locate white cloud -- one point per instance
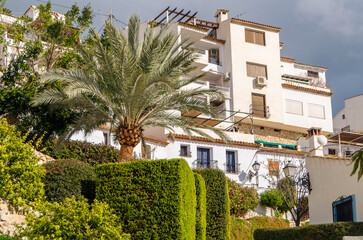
(341, 16)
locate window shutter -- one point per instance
(260, 38)
(249, 36)
(273, 168)
(316, 111)
(294, 107)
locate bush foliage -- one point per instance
(333, 231)
(20, 178)
(72, 219)
(242, 199)
(201, 212)
(67, 178)
(153, 199)
(218, 223)
(93, 154)
(243, 230)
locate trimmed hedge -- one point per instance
(67, 178)
(243, 230)
(333, 231)
(153, 199)
(201, 213)
(218, 219)
(93, 154)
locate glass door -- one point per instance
(231, 162)
(203, 160)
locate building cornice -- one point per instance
(313, 66)
(316, 91)
(214, 40)
(255, 25)
(286, 59)
(217, 141)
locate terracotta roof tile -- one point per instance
(214, 39)
(296, 77)
(193, 26)
(286, 59)
(285, 85)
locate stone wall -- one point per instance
(8, 219)
(270, 134)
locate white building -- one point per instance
(271, 101)
(350, 117)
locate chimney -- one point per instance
(316, 141)
(221, 15)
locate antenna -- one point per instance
(111, 16)
(239, 15)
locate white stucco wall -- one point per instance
(353, 114)
(330, 179)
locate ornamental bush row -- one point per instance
(218, 213)
(332, 231)
(201, 211)
(153, 199)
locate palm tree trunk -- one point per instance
(125, 154)
(128, 137)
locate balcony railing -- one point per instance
(232, 168)
(260, 111)
(199, 163)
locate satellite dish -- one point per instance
(322, 140)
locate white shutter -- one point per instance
(294, 107)
(316, 111)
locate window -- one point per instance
(273, 168)
(348, 153)
(258, 105)
(316, 111)
(105, 138)
(331, 151)
(214, 56)
(255, 37)
(344, 209)
(294, 107)
(313, 74)
(346, 128)
(146, 152)
(231, 166)
(343, 116)
(184, 151)
(255, 70)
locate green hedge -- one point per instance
(243, 230)
(93, 154)
(201, 213)
(67, 178)
(7, 238)
(333, 231)
(153, 199)
(218, 222)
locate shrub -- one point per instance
(218, 223)
(67, 178)
(201, 212)
(153, 199)
(242, 199)
(243, 230)
(272, 199)
(93, 154)
(20, 177)
(333, 231)
(72, 219)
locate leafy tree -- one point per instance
(272, 199)
(20, 176)
(132, 85)
(357, 159)
(72, 219)
(242, 199)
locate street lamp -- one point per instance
(255, 167)
(290, 171)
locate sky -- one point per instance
(326, 33)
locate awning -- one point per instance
(348, 137)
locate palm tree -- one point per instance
(132, 85)
(357, 158)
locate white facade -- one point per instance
(350, 117)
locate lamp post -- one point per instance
(290, 171)
(255, 167)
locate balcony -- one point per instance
(185, 154)
(261, 111)
(232, 168)
(200, 163)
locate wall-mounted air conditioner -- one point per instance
(261, 81)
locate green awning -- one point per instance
(275, 144)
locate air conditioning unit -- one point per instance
(261, 81)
